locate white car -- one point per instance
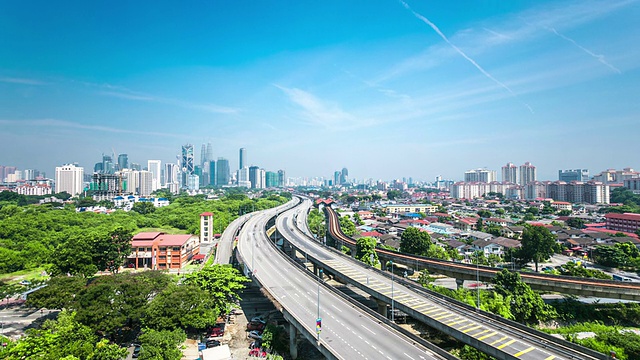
(258, 319)
(255, 334)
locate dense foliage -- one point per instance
(65, 241)
(538, 244)
(366, 250)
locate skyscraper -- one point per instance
(271, 179)
(170, 173)
(336, 178)
(243, 158)
(212, 172)
(282, 180)
(154, 167)
(510, 173)
(69, 179)
(243, 177)
(123, 162)
(107, 164)
(344, 176)
(203, 155)
(253, 176)
(480, 175)
(527, 174)
(223, 172)
(186, 163)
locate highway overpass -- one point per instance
(489, 333)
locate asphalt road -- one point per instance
(346, 331)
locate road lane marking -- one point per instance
(499, 340)
(550, 357)
(507, 344)
(336, 308)
(524, 351)
(369, 330)
(472, 328)
(487, 336)
(409, 356)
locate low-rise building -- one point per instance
(627, 222)
(160, 251)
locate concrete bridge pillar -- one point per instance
(293, 343)
(382, 308)
(460, 283)
(293, 252)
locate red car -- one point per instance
(257, 352)
(255, 326)
(217, 330)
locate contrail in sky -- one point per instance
(600, 58)
(444, 37)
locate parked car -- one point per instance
(212, 343)
(25, 282)
(258, 319)
(217, 330)
(255, 334)
(258, 352)
(136, 350)
(255, 326)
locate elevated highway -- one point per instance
(489, 333)
(347, 331)
(460, 271)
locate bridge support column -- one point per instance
(293, 344)
(293, 252)
(460, 283)
(382, 308)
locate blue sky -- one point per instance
(388, 89)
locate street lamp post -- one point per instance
(392, 302)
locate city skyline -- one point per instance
(418, 89)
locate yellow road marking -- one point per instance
(472, 328)
(499, 340)
(550, 357)
(487, 336)
(524, 351)
(507, 343)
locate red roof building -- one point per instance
(627, 222)
(160, 251)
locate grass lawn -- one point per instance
(33, 274)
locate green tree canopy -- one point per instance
(161, 344)
(415, 241)
(526, 305)
(221, 282)
(365, 247)
(538, 244)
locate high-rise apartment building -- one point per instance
(123, 162)
(253, 176)
(480, 175)
(223, 174)
(138, 182)
(242, 177)
(573, 175)
(154, 167)
(170, 173)
(510, 173)
(186, 164)
(69, 179)
(527, 174)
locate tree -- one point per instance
(161, 345)
(484, 213)
(347, 226)
(479, 225)
(365, 247)
(221, 282)
(143, 208)
(526, 305)
(111, 250)
(393, 194)
(181, 307)
(58, 294)
(274, 338)
(610, 256)
(575, 222)
(537, 244)
(415, 241)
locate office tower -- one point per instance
(243, 158)
(223, 173)
(69, 179)
(203, 155)
(344, 176)
(170, 173)
(123, 162)
(527, 174)
(186, 163)
(2, 176)
(282, 179)
(243, 177)
(98, 168)
(209, 155)
(271, 179)
(336, 178)
(212, 172)
(154, 167)
(573, 175)
(510, 173)
(135, 166)
(253, 176)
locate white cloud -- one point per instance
(56, 123)
(23, 81)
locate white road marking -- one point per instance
(369, 330)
